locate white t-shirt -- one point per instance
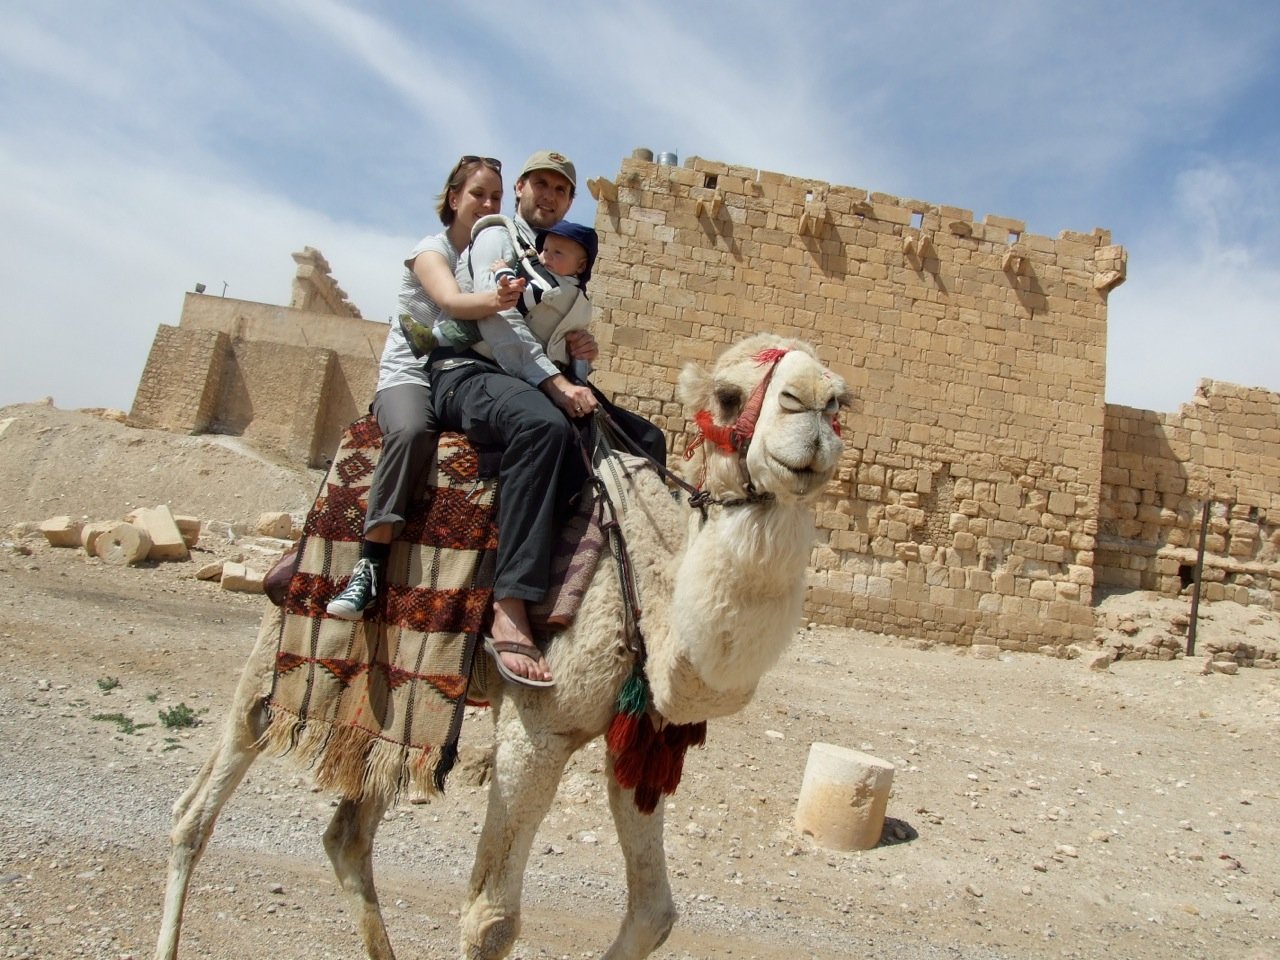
(399, 365)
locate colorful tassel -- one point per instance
(634, 697)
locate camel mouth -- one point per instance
(801, 481)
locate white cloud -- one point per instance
(105, 249)
(144, 147)
(1205, 302)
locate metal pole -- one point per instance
(1195, 583)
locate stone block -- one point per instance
(279, 525)
(210, 571)
(166, 539)
(239, 578)
(843, 797)
(62, 531)
(189, 527)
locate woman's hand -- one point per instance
(581, 345)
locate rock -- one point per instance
(189, 527)
(1229, 667)
(61, 531)
(210, 571)
(166, 539)
(278, 525)
(1102, 661)
(239, 578)
(843, 797)
(122, 545)
(984, 651)
(91, 532)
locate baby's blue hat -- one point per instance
(580, 234)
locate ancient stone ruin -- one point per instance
(988, 491)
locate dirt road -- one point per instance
(1039, 808)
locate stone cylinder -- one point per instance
(123, 544)
(843, 797)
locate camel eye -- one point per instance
(790, 402)
(729, 400)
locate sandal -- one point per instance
(497, 647)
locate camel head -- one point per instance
(767, 416)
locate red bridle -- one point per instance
(737, 436)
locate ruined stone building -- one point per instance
(988, 489)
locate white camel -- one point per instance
(722, 594)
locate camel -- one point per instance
(722, 592)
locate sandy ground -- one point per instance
(1040, 808)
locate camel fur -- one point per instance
(720, 594)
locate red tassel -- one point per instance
(628, 769)
(622, 732)
(675, 772)
(770, 355)
(657, 768)
(629, 763)
(647, 798)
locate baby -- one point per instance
(554, 301)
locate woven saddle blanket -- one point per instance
(375, 706)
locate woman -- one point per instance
(402, 402)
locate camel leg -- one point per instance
(196, 811)
(526, 774)
(650, 909)
(349, 843)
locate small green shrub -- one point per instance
(175, 718)
(107, 684)
(123, 723)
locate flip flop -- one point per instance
(496, 647)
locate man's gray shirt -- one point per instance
(514, 346)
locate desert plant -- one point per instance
(176, 718)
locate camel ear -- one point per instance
(694, 388)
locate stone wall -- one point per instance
(289, 379)
(967, 506)
(1158, 472)
(987, 489)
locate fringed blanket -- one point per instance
(375, 706)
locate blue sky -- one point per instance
(146, 145)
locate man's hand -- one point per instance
(581, 345)
(574, 400)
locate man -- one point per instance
(524, 407)
(544, 192)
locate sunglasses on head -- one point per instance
(492, 163)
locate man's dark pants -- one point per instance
(541, 470)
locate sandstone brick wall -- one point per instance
(966, 509)
(180, 382)
(289, 379)
(987, 488)
(1159, 470)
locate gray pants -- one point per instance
(409, 432)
